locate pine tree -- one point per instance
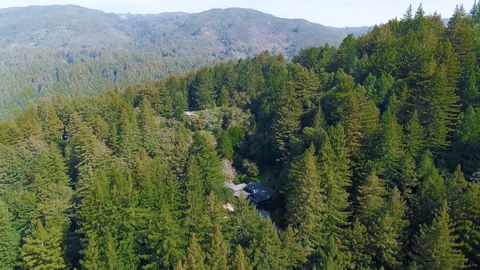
(414, 142)
(358, 245)
(85, 153)
(91, 255)
(371, 199)
(435, 246)
(388, 231)
(342, 159)
(52, 187)
(295, 252)
(9, 239)
(468, 227)
(97, 218)
(195, 258)
(51, 125)
(266, 247)
(217, 257)
(466, 149)
(461, 33)
(336, 195)
(306, 202)
(463, 200)
(128, 136)
(286, 123)
(195, 195)
(201, 90)
(165, 239)
(29, 123)
(331, 257)
(391, 149)
(226, 145)
(213, 215)
(439, 109)
(306, 84)
(430, 192)
(110, 252)
(204, 152)
(347, 54)
(250, 77)
(148, 127)
(359, 117)
(42, 250)
(239, 260)
(51, 166)
(335, 186)
(408, 180)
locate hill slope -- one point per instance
(222, 32)
(75, 51)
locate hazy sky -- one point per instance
(327, 12)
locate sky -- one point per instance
(339, 13)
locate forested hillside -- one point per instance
(78, 51)
(371, 149)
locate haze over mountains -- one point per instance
(74, 50)
(232, 32)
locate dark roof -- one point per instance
(257, 193)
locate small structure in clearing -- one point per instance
(257, 194)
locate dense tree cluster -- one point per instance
(28, 75)
(372, 150)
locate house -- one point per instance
(257, 194)
(237, 189)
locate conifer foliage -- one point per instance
(366, 156)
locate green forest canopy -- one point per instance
(372, 149)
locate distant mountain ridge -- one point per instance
(232, 32)
(72, 50)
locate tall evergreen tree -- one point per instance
(195, 258)
(306, 203)
(204, 152)
(466, 148)
(371, 199)
(85, 153)
(358, 244)
(149, 129)
(286, 123)
(436, 248)
(332, 258)
(217, 257)
(195, 195)
(414, 136)
(391, 150)
(335, 190)
(128, 136)
(295, 251)
(9, 239)
(91, 259)
(461, 33)
(42, 250)
(239, 260)
(388, 231)
(463, 199)
(52, 126)
(165, 240)
(431, 191)
(201, 90)
(439, 110)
